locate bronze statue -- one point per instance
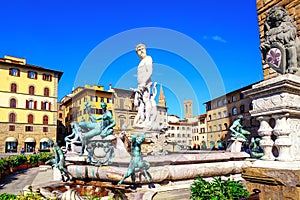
(59, 161)
(93, 128)
(137, 164)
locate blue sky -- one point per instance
(200, 49)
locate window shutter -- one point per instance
(18, 72)
(27, 104)
(49, 106)
(28, 74)
(10, 71)
(35, 104)
(36, 74)
(50, 77)
(42, 105)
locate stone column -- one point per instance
(265, 131)
(283, 141)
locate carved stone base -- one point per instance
(279, 98)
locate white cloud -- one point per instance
(218, 38)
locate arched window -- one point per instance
(242, 108)
(30, 119)
(13, 88)
(12, 118)
(45, 119)
(46, 92)
(31, 90)
(46, 106)
(226, 126)
(234, 111)
(30, 104)
(12, 103)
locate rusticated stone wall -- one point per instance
(263, 7)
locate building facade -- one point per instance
(222, 111)
(179, 131)
(28, 105)
(199, 133)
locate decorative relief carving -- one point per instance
(283, 100)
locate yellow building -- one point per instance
(28, 105)
(222, 111)
(199, 133)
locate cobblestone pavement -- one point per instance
(15, 182)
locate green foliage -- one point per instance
(217, 189)
(6, 196)
(44, 156)
(14, 161)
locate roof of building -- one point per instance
(21, 62)
(229, 93)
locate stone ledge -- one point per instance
(160, 173)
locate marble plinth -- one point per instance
(278, 99)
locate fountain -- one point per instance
(99, 160)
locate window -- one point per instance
(109, 100)
(12, 103)
(28, 128)
(60, 115)
(94, 99)
(220, 127)
(209, 117)
(241, 95)
(121, 103)
(32, 75)
(242, 108)
(47, 77)
(210, 128)
(219, 103)
(234, 111)
(226, 126)
(30, 104)
(46, 106)
(251, 106)
(31, 90)
(233, 99)
(46, 92)
(30, 119)
(13, 88)
(225, 113)
(208, 106)
(224, 102)
(45, 119)
(12, 118)
(14, 72)
(11, 128)
(45, 129)
(219, 115)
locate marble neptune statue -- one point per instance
(145, 93)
